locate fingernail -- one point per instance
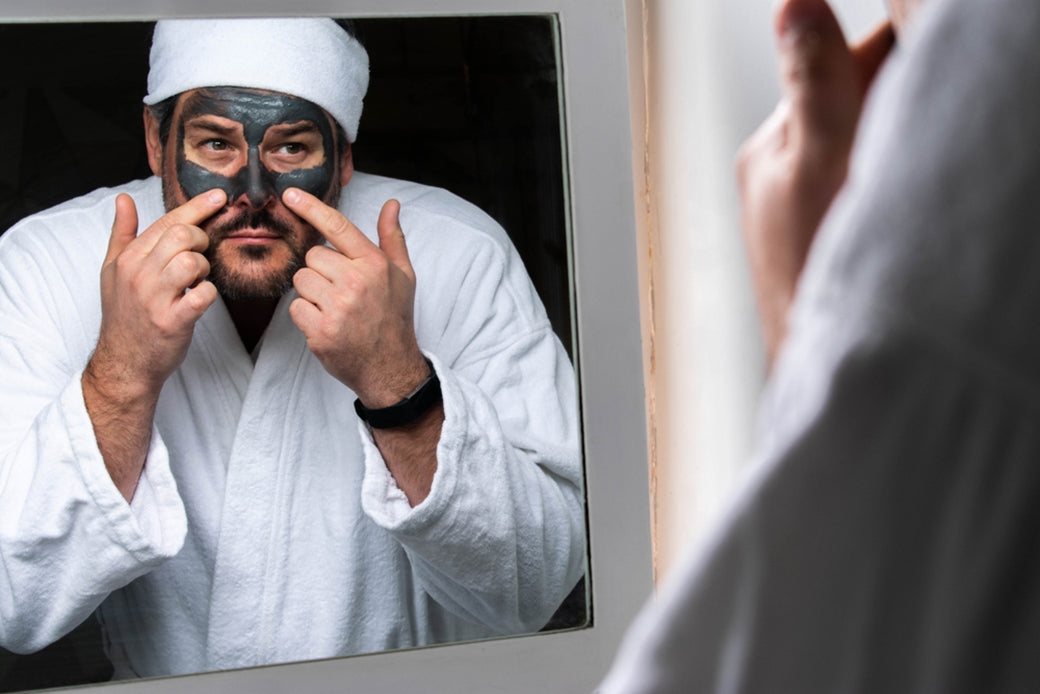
(216, 196)
(291, 196)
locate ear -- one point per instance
(346, 165)
(152, 142)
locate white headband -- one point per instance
(314, 59)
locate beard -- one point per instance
(249, 274)
(252, 273)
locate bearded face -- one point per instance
(253, 145)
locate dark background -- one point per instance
(469, 104)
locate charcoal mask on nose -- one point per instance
(257, 112)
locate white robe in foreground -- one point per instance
(889, 540)
(266, 527)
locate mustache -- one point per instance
(254, 219)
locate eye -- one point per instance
(216, 144)
(292, 148)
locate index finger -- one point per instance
(194, 212)
(337, 229)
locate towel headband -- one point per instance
(311, 58)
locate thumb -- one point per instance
(124, 227)
(818, 74)
(391, 236)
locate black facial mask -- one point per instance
(256, 112)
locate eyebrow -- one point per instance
(204, 123)
(295, 128)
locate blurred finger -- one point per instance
(817, 73)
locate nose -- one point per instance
(258, 189)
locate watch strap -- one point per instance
(407, 410)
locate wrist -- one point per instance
(117, 386)
(409, 409)
(393, 384)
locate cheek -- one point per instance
(196, 180)
(314, 180)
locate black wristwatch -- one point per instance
(406, 411)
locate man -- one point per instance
(184, 453)
(886, 541)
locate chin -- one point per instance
(255, 277)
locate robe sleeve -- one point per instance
(500, 540)
(67, 536)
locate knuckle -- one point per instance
(354, 285)
(180, 234)
(123, 264)
(341, 303)
(381, 263)
(314, 254)
(194, 301)
(166, 326)
(330, 332)
(186, 262)
(336, 223)
(302, 278)
(137, 282)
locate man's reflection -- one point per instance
(313, 412)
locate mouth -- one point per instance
(252, 236)
(252, 228)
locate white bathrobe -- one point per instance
(266, 527)
(888, 540)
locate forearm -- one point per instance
(121, 415)
(410, 453)
(500, 539)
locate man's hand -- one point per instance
(356, 303)
(355, 307)
(152, 294)
(791, 168)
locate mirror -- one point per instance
(547, 257)
(468, 104)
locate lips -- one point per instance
(253, 236)
(259, 226)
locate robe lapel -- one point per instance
(249, 551)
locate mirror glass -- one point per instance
(470, 104)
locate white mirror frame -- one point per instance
(599, 160)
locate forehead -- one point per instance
(254, 109)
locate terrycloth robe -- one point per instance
(266, 527)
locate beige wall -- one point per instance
(703, 77)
